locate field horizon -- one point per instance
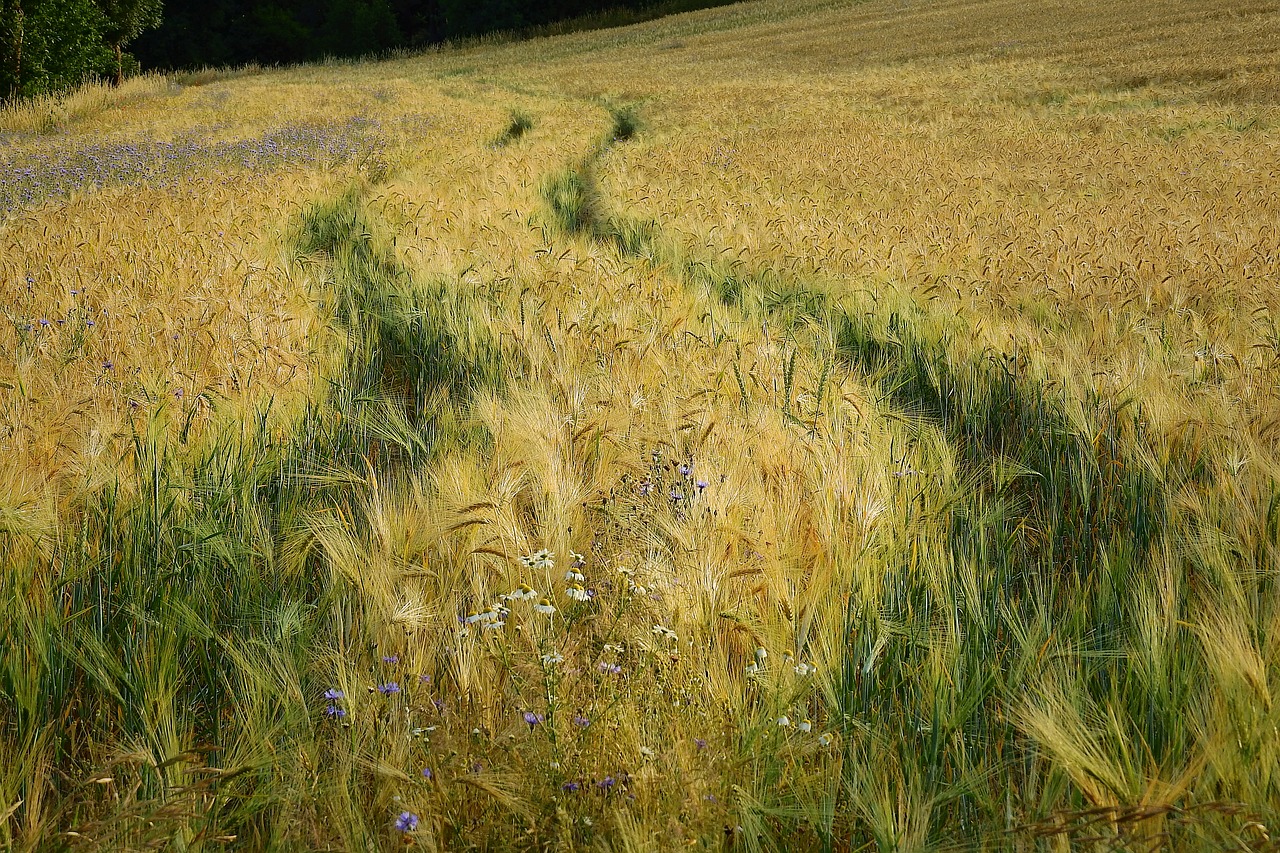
(783, 426)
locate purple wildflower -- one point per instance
(581, 721)
(334, 712)
(407, 822)
(606, 783)
(331, 694)
(533, 719)
(426, 773)
(609, 668)
(571, 787)
(700, 743)
(702, 484)
(391, 659)
(389, 688)
(685, 469)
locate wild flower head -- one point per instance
(541, 559)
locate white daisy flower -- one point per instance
(805, 669)
(805, 726)
(824, 740)
(522, 593)
(473, 618)
(542, 559)
(545, 607)
(574, 576)
(493, 626)
(577, 593)
(552, 659)
(664, 633)
(784, 721)
(751, 669)
(761, 655)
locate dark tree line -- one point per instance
(47, 45)
(198, 33)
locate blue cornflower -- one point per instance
(332, 694)
(334, 712)
(533, 719)
(407, 822)
(426, 773)
(581, 721)
(389, 688)
(571, 787)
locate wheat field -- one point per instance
(789, 426)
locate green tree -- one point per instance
(126, 20)
(357, 27)
(47, 45)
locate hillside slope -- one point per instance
(790, 425)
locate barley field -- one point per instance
(803, 425)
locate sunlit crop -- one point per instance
(788, 426)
